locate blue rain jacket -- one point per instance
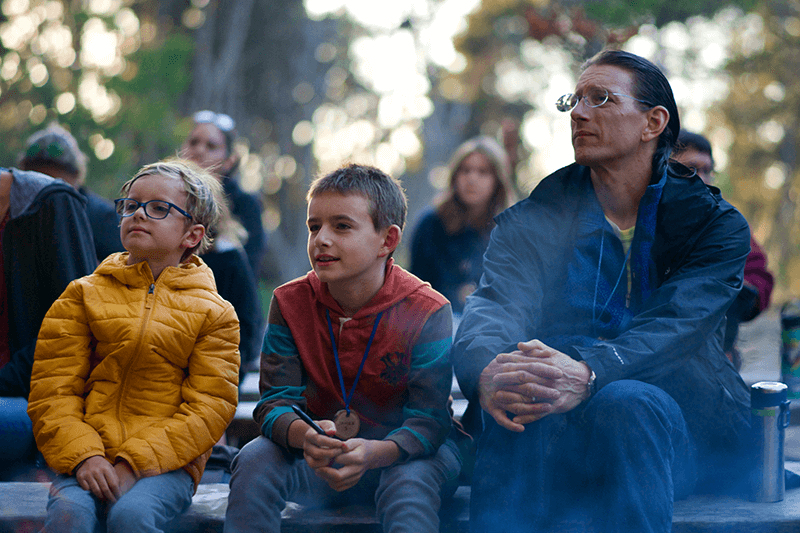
(554, 271)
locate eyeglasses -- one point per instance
(155, 209)
(220, 120)
(592, 98)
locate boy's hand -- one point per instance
(127, 478)
(359, 456)
(320, 450)
(97, 475)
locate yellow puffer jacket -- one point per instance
(133, 369)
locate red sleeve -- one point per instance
(757, 275)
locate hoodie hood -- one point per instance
(395, 288)
(28, 186)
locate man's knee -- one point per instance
(631, 401)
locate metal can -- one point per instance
(790, 347)
(769, 419)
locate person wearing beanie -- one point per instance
(54, 151)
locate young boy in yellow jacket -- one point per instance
(136, 367)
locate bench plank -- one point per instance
(23, 508)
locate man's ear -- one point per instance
(193, 236)
(391, 239)
(657, 119)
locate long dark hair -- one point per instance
(650, 85)
(451, 209)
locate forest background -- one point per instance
(317, 83)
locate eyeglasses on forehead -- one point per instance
(220, 120)
(592, 98)
(155, 209)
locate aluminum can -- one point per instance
(769, 419)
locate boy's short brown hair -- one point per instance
(387, 200)
(204, 194)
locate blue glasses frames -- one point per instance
(155, 209)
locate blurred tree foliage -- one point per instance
(124, 75)
(762, 113)
(756, 122)
(109, 71)
(511, 45)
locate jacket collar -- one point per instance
(192, 274)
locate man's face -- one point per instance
(611, 133)
(700, 161)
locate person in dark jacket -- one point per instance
(210, 145)
(694, 151)
(46, 243)
(54, 151)
(236, 257)
(594, 341)
(235, 282)
(448, 242)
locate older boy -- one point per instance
(136, 368)
(363, 347)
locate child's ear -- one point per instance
(391, 240)
(193, 236)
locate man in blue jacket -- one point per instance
(594, 342)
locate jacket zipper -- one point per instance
(148, 307)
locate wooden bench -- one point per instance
(22, 510)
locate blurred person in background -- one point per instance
(236, 283)
(210, 145)
(448, 242)
(46, 243)
(694, 151)
(54, 151)
(236, 255)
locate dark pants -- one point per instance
(615, 464)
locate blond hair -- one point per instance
(204, 193)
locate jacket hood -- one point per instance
(192, 274)
(394, 289)
(28, 186)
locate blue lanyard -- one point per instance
(345, 396)
(597, 282)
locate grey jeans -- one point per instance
(407, 496)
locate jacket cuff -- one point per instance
(410, 446)
(280, 429)
(595, 365)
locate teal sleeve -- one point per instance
(281, 381)
(426, 417)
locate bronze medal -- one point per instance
(347, 425)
